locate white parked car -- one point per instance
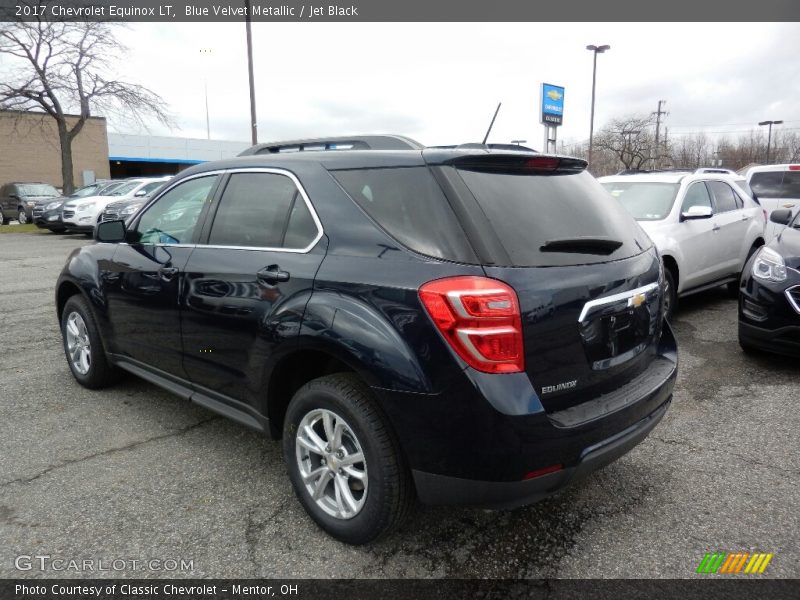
(704, 225)
(776, 187)
(81, 214)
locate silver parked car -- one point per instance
(704, 225)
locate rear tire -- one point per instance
(365, 499)
(83, 347)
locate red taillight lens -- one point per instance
(545, 471)
(794, 167)
(544, 163)
(480, 319)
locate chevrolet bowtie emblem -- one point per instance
(637, 300)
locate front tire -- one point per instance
(22, 216)
(670, 294)
(83, 346)
(344, 462)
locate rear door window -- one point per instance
(409, 205)
(262, 210)
(723, 196)
(527, 211)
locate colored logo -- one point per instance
(555, 95)
(734, 562)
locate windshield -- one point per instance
(109, 187)
(644, 200)
(125, 188)
(37, 190)
(89, 190)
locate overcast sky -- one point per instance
(440, 83)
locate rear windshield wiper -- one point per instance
(582, 245)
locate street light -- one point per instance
(206, 52)
(769, 135)
(251, 78)
(597, 50)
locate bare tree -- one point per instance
(630, 139)
(65, 66)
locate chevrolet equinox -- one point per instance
(467, 324)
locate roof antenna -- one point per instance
(486, 137)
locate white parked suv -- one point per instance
(776, 187)
(81, 214)
(704, 225)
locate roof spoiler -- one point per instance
(519, 164)
(358, 142)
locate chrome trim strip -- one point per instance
(645, 289)
(791, 299)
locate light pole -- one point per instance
(253, 122)
(596, 50)
(769, 135)
(206, 52)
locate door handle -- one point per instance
(167, 273)
(272, 274)
(745, 218)
(715, 228)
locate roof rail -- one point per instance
(356, 142)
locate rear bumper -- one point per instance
(441, 489)
(476, 445)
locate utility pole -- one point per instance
(658, 114)
(596, 50)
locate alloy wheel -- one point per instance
(79, 348)
(22, 217)
(331, 463)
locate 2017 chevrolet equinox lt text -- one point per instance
(461, 324)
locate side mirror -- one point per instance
(697, 212)
(110, 231)
(140, 194)
(781, 216)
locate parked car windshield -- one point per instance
(125, 188)
(644, 200)
(37, 190)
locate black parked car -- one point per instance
(769, 294)
(18, 199)
(461, 324)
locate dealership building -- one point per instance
(30, 151)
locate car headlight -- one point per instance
(128, 210)
(769, 266)
(52, 206)
(86, 206)
(30, 203)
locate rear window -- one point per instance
(644, 200)
(776, 184)
(409, 204)
(527, 211)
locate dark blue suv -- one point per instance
(457, 324)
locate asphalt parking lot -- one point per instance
(134, 473)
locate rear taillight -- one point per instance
(794, 167)
(480, 319)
